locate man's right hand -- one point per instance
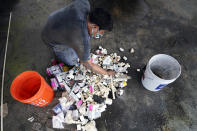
(97, 69)
(111, 73)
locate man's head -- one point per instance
(99, 21)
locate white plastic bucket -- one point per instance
(161, 70)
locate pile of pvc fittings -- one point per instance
(87, 94)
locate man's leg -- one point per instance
(66, 54)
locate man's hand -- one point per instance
(97, 69)
(111, 73)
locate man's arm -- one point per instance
(97, 69)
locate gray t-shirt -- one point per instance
(68, 26)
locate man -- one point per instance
(68, 31)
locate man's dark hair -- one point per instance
(102, 18)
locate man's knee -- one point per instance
(67, 55)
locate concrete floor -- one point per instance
(150, 27)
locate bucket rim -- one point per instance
(159, 77)
(29, 99)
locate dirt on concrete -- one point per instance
(150, 27)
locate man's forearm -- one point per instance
(95, 68)
(98, 69)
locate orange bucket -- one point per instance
(30, 87)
